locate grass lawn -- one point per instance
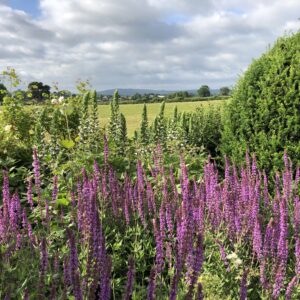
(132, 112)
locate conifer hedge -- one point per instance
(264, 114)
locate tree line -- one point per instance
(38, 92)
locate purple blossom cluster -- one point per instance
(240, 207)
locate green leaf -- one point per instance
(62, 201)
(68, 144)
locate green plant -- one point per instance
(263, 115)
(144, 131)
(115, 120)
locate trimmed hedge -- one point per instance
(264, 113)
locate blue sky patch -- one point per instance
(31, 7)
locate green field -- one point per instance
(133, 112)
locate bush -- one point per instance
(263, 115)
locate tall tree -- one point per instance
(224, 91)
(204, 91)
(38, 91)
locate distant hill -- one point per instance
(131, 92)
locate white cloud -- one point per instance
(177, 44)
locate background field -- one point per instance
(133, 112)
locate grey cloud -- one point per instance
(118, 43)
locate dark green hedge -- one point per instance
(264, 114)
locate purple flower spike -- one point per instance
(130, 279)
(151, 285)
(223, 255)
(43, 263)
(55, 189)
(199, 295)
(29, 193)
(37, 175)
(243, 288)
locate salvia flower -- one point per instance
(151, 285)
(130, 279)
(37, 175)
(223, 255)
(243, 288)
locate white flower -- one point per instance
(54, 101)
(7, 128)
(61, 99)
(232, 255)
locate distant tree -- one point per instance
(38, 91)
(224, 91)
(204, 91)
(3, 91)
(136, 96)
(65, 93)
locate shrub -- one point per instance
(263, 115)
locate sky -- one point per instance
(156, 44)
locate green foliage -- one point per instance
(16, 130)
(11, 77)
(144, 136)
(122, 135)
(263, 115)
(204, 129)
(224, 91)
(94, 121)
(204, 91)
(38, 91)
(160, 126)
(114, 124)
(3, 92)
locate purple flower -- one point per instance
(162, 222)
(199, 295)
(67, 275)
(29, 193)
(198, 258)
(297, 217)
(150, 199)
(55, 189)
(223, 255)
(243, 288)
(130, 279)
(184, 183)
(169, 219)
(159, 248)
(105, 282)
(6, 197)
(257, 239)
(151, 285)
(37, 175)
(266, 191)
(289, 290)
(43, 263)
(73, 264)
